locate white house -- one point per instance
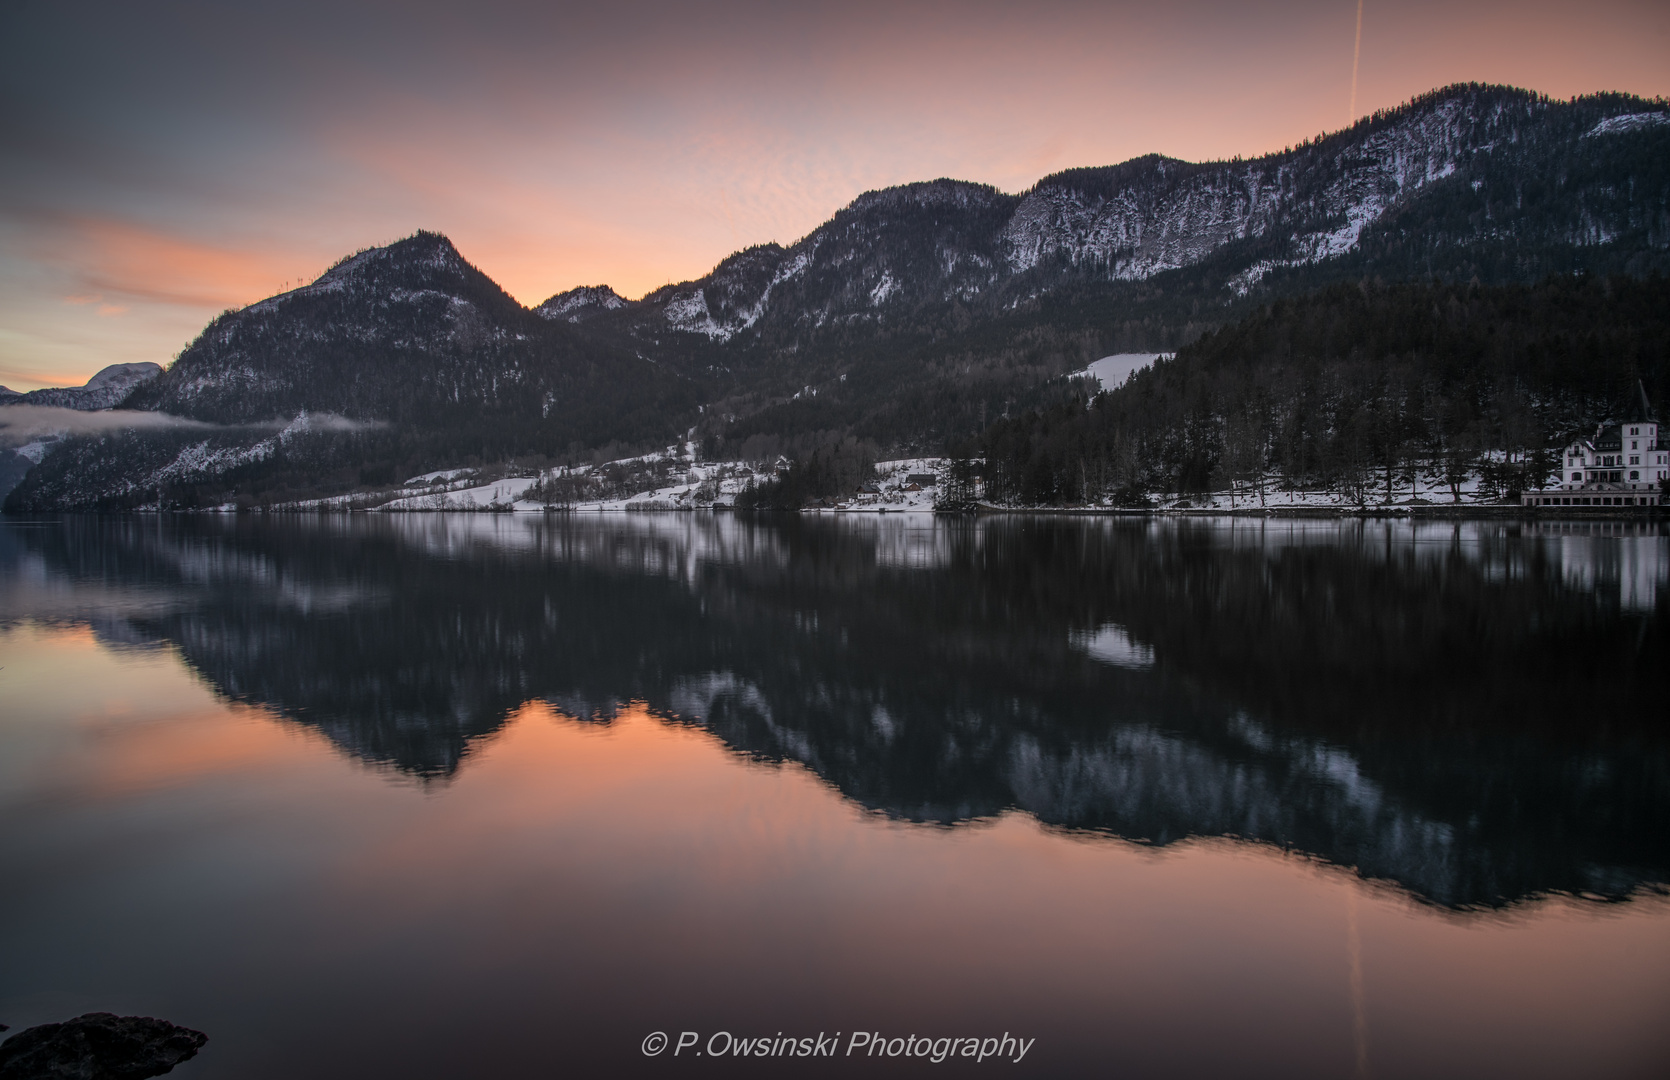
(1622, 465)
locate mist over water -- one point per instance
(519, 779)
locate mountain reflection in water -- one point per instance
(1473, 711)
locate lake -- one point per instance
(436, 795)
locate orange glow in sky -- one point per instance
(158, 167)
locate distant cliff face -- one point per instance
(1157, 214)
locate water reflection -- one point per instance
(1470, 710)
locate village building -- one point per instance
(1623, 464)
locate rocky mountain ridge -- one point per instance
(1501, 152)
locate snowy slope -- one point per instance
(1110, 372)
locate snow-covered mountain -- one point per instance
(916, 313)
(102, 391)
(396, 357)
(921, 243)
(375, 335)
(409, 334)
(1468, 167)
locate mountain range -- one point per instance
(912, 319)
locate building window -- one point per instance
(1634, 475)
(1577, 476)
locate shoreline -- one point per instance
(1503, 512)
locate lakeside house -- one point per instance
(1624, 464)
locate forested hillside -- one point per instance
(1355, 388)
(919, 313)
(397, 360)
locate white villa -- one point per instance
(1623, 465)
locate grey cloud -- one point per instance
(20, 424)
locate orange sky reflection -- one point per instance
(642, 869)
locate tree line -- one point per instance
(1355, 389)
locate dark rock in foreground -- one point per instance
(98, 1046)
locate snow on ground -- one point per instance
(441, 477)
(667, 479)
(1110, 372)
(717, 483)
(671, 479)
(1422, 491)
(36, 449)
(1617, 125)
(498, 494)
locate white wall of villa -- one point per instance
(1622, 465)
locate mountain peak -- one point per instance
(580, 303)
(927, 194)
(103, 391)
(425, 263)
(123, 375)
(422, 250)
(1103, 181)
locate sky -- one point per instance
(162, 162)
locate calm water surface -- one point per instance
(460, 796)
